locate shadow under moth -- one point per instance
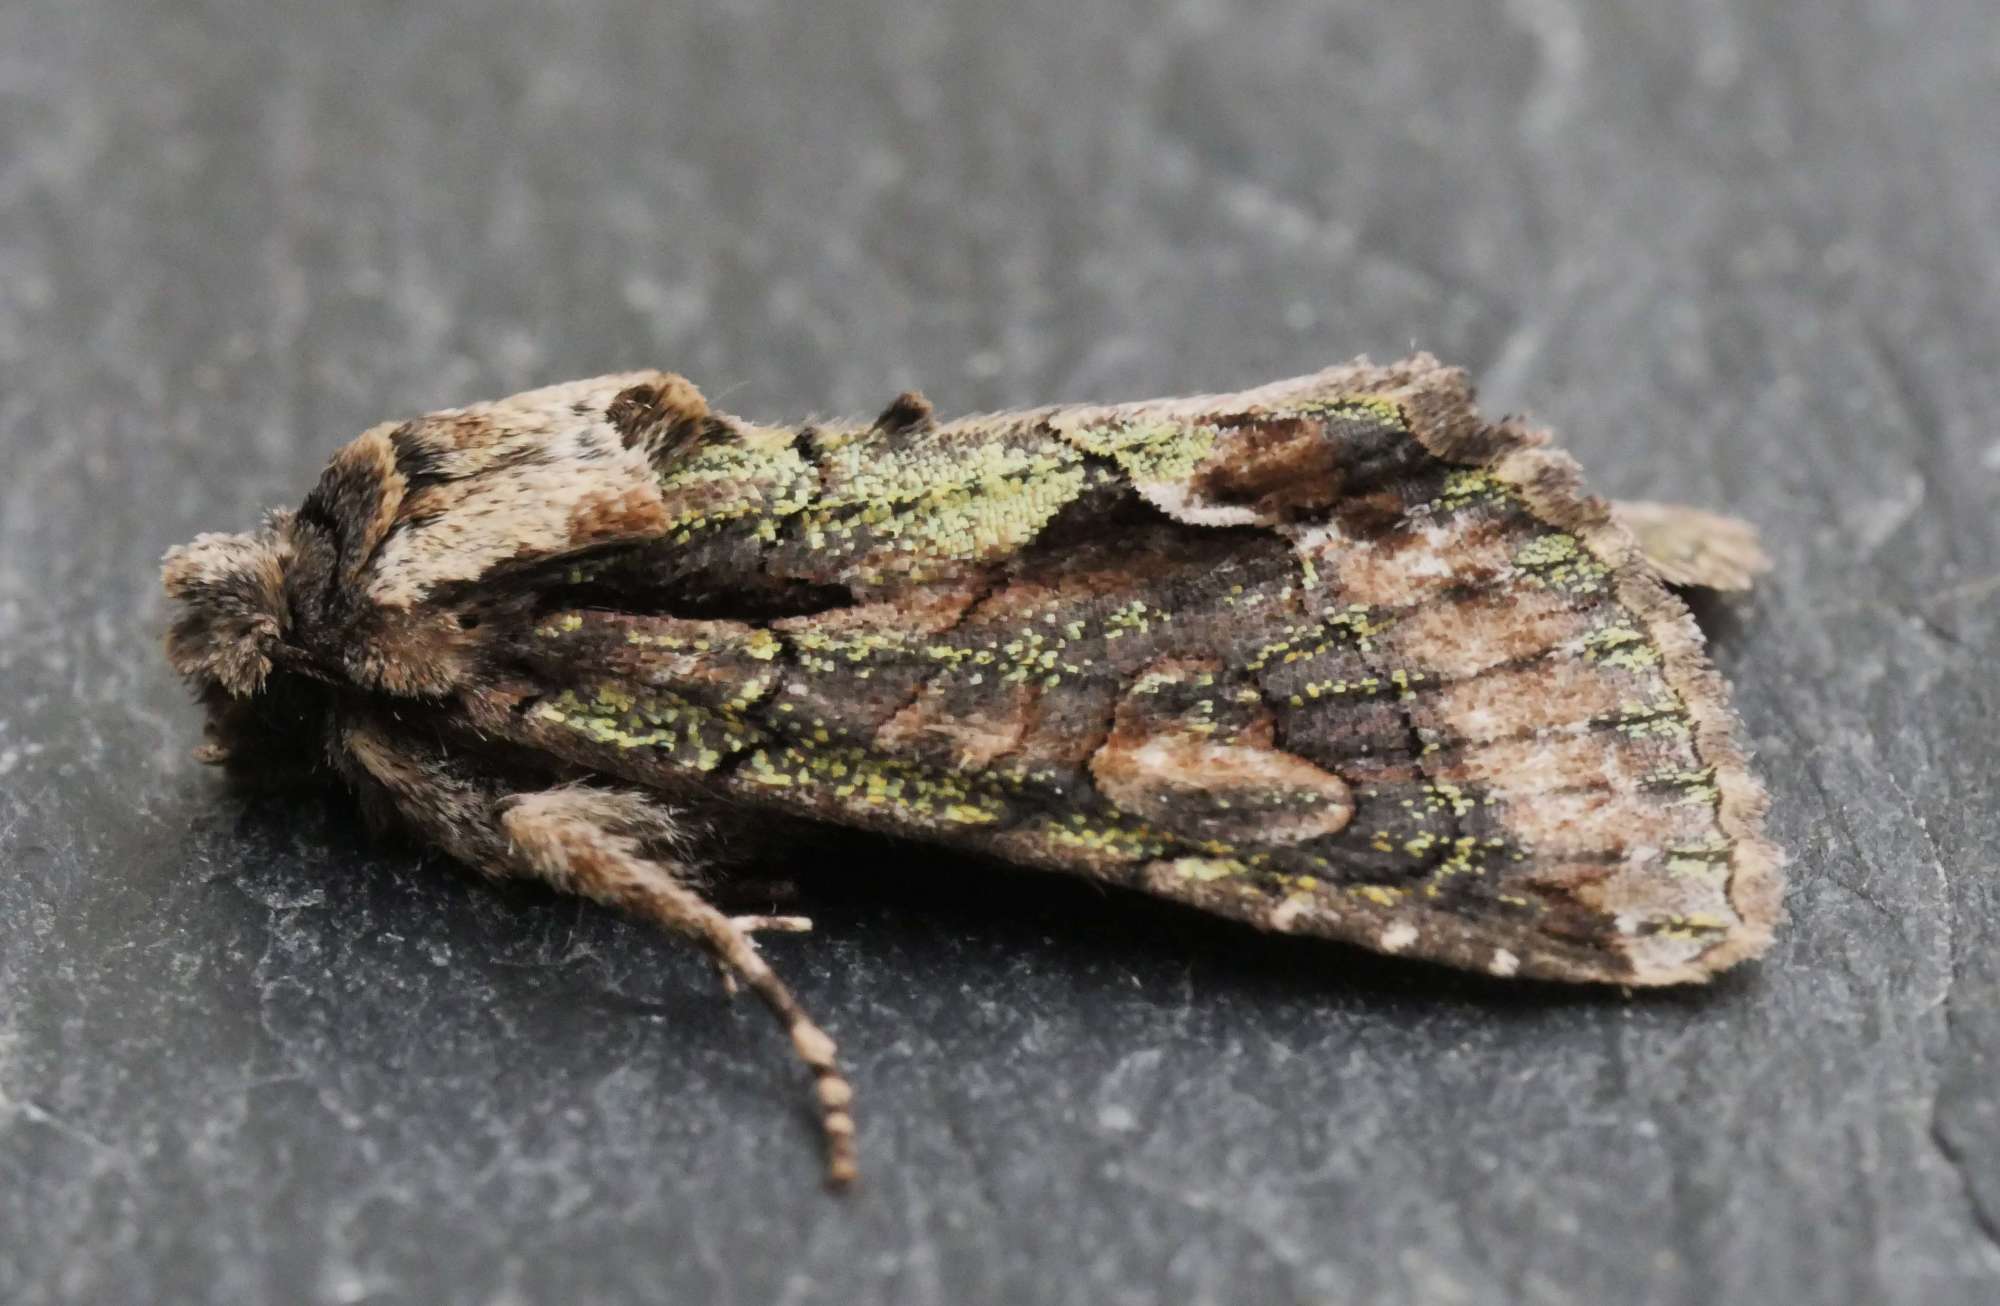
(1334, 656)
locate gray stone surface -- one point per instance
(1741, 253)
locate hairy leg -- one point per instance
(589, 841)
(622, 849)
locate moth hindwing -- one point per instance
(1333, 656)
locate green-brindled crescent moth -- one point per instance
(1333, 656)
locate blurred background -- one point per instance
(1739, 252)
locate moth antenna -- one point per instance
(590, 842)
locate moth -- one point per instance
(1334, 656)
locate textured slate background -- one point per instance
(1742, 253)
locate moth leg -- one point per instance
(1692, 547)
(768, 925)
(618, 848)
(773, 924)
(593, 843)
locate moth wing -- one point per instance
(1570, 800)
(1694, 548)
(1332, 656)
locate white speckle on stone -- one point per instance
(1117, 1119)
(348, 1286)
(1397, 937)
(1884, 516)
(1504, 963)
(985, 364)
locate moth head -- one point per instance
(232, 640)
(230, 618)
